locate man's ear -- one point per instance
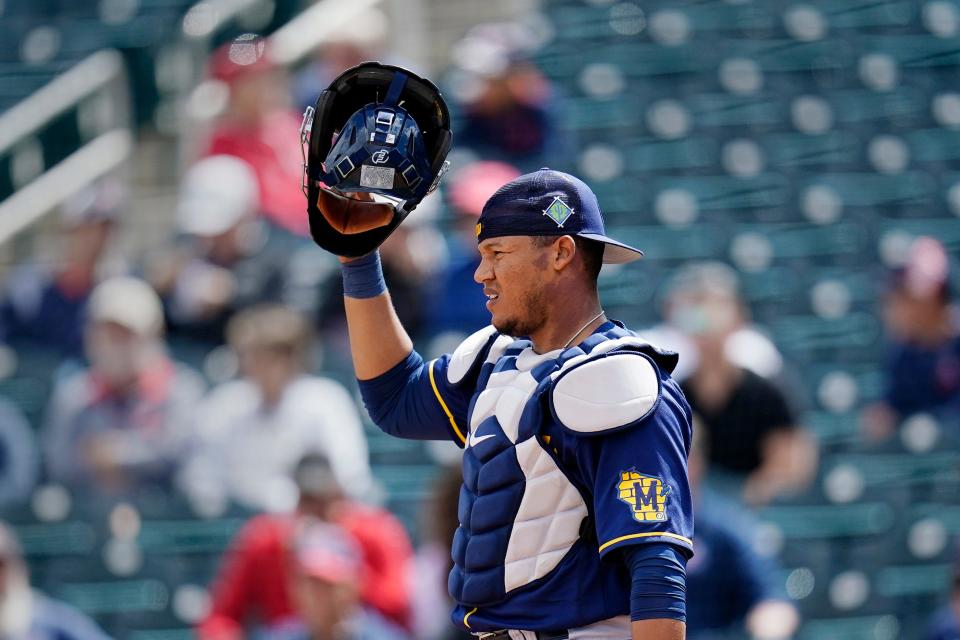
(565, 248)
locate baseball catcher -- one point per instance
(575, 511)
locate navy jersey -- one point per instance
(569, 456)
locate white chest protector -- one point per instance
(519, 512)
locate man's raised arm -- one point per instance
(404, 396)
(378, 342)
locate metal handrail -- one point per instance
(94, 160)
(293, 41)
(61, 94)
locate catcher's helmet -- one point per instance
(378, 130)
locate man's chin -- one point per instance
(507, 326)
(502, 326)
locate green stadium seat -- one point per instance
(915, 51)
(854, 106)
(651, 155)
(806, 242)
(854, 14)
(804, 522)
(934, 145)
(790, 56)
(184, 633)
(701, 241)
(726, 193)
(916, 471)
(121, 596)
(384, 449)
(945, 230)
(721, 16)
(877, 627)
(589, 114)
(792, 150)
(873, 190)
(70, 538)
(915, 583)
(712, 110)
(181, 537)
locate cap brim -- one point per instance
(615, 252)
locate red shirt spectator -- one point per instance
(259, 128)
(270, 146)
(253, 583)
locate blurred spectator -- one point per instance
(226, 261)
(44, 304)
(19, 458)
(506, 105)
(124, 421)
(325, 585)
(945, 623)
(459, 305)
(752, 433)
(252, 431)
(28, 614)
(730, 588)
(431, 600)
(341, 50)
(260, 128)
(252, 588)
(923, 361)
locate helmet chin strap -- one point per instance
(396, 87)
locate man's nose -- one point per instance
(483, 272)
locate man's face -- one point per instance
(323, 604)
(908, 317)
(87, 241)
(115, 352)
(270, 369)
(514, 273)
(707, 319)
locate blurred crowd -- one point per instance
(267, 417)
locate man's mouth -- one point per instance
(491, 298)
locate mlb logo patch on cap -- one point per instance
(558, 211)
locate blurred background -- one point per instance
(182, 448)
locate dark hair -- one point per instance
(591, 250)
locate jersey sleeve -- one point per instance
(415, 400)
(641, 493)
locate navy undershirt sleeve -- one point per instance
(658, 581)
(403, 403)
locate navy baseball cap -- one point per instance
(550, 203)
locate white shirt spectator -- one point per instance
(19, 458)
(247, 452)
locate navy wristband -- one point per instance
(363, 277)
